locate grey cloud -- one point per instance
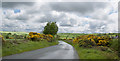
(80, 7)
(61, 19)
(18, 0)
(71, 23)
(47, 18)
(50, 18)
(16, 4)
(97, 26)
(119, 6)
(22, 18)
(67, 25)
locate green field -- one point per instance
(69, 35)
(73, 35)
(19, 33)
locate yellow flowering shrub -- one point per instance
(37, 36)
(75, 40)
(2, 38)
(31, 33)
(50, 36)
(92, 40)
(38, 33)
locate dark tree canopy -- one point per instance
(51, 28)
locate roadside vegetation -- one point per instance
(94, 46)
(18, 42)
(23, 46)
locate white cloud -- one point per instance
(35, 16)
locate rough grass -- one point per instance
(0, 51)
(89, 53)
(9, 49)
(92, 53)
(114, 44)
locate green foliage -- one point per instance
(86, 43)
(51, 28)
(47, 28)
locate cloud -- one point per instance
(15, 4)
(70, 16)
(79, 7)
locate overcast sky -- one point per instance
(71, 17)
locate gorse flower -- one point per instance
(36, 36)
(92, 40)
(2, 38)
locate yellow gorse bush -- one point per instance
(92, 40)
(75, 40)
(2, 38)
(50, 36)
(31, 33)
(37, 36)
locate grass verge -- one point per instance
(9, 49)
(92, 53)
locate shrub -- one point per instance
(86, 43)
(34, 36)
(51, 28)
(2, 38)
(92, 40)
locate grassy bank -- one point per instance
(19, 47)
(90, 53)
(93, 53)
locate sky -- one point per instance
(70, 16)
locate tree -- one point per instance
(47, 28)
(51, 28)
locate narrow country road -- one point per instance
(61, 51)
